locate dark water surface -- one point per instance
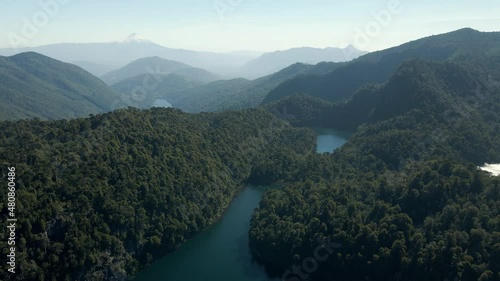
(219, 253)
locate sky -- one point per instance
(237, 25)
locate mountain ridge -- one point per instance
(156, 66)
(34, 85)
(271, 62)
(378, 66)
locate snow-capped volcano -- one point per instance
(134, 38)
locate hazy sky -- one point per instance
(229, 25)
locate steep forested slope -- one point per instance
(403, 199)
(377, 67)
(32, 85)
(241, 93)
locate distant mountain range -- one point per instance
(152, 81)
(51, 89)
(114, 55)
(273, 62)
(54, 90)
(33, 85)
(157, 66)
(332, 81)
(101, 58)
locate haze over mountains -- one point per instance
(275, 61)
(100, 58)
(117, 54)
(157, 66)
(320, 80)
(241, 93)
(153, 81)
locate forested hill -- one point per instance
(241, 93)
(156, 66)
(33, 85)
(403, 199)
(450, 89)
(100, 198)
(377, 67)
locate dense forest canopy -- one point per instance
(100, 198)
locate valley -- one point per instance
(228, 238)
(171, 165)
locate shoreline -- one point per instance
(234, 194)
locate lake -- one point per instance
(328, 139)
(221, 252)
